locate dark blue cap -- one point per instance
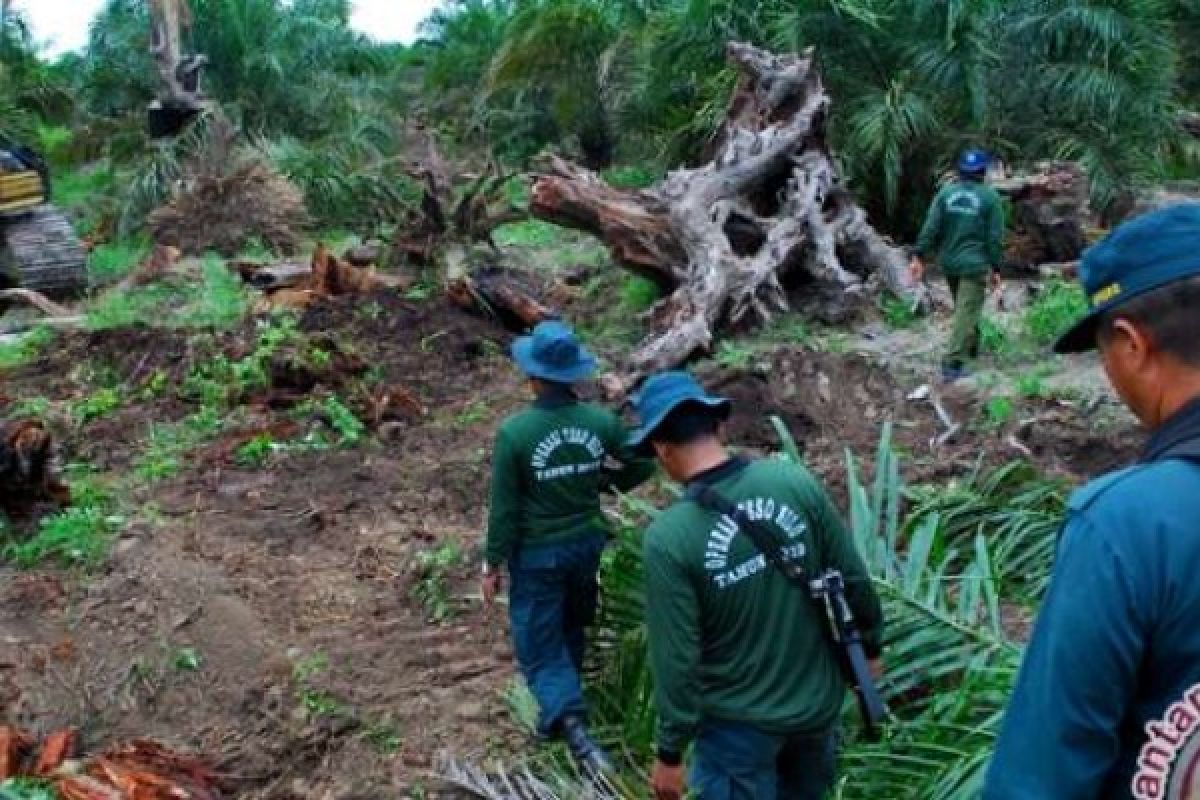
(973, 161)
(554, 353)
(1144, 254)
(663, 393)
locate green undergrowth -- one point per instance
(112, 261)
(77, 536)
(1057, 307)
(218, 300)
(26, 348)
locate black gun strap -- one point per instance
(763, 537)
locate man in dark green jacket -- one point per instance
(741, 662)
(1107, 703)
(965, 230)
(549, 466)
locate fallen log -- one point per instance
(502, 295)
(37, 300)
(298, 286)
(724, 238)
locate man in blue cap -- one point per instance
(1107, 703)
(549, 465)
(741, 660)
(965, 229)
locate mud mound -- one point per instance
(832, 403)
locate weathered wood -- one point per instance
(37, 300)
(1050, 210)
(455, 211)
(721, 238)
(503, 295)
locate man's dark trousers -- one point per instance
(735, 761)
(552, 600)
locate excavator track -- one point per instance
(40, 251)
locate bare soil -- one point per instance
(322, 673)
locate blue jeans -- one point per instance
(734, 761)
(552, 600)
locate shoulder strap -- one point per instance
(763, 537)
(1188, 450)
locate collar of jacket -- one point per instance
(1178, 437)
(556, 395)
(731, 466)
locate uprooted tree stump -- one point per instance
(1050, 212)
(456, 212)
(723, 239)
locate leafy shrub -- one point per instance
(110, 262)
(77, 536)
(638, 294)
(26, 348)
(1059, 305)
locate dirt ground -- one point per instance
(321, 673)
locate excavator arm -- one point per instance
(180, 96)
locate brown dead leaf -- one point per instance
(58, 747)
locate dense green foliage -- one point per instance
(913, 80)
(640, 82)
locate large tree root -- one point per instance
(722, 239)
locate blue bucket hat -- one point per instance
(1144, 254)
(973, 161)
(663, 393)
(554, 353)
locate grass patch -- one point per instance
(27, 348)
(633, 176)
(998, 411)
(349, 428)
(432, 587)
(256, 452)
(222, 300)
(1059, 306)
(529, 233)
(109, 263)
(76, 536)
(29, 408)
(99, 403)
(898, 313)
(219, 300)
(734, 356)
(637, 294)
(168, 443)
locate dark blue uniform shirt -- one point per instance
(1107, 703)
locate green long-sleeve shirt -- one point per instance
(964, 228)
(730, 637)
(549, 465)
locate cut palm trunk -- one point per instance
(723, 239)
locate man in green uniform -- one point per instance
(1107, 703)
(549, 466)
(741, 662)
(965, 229)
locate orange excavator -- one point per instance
(38, 247)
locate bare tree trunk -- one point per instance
(721, 238)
